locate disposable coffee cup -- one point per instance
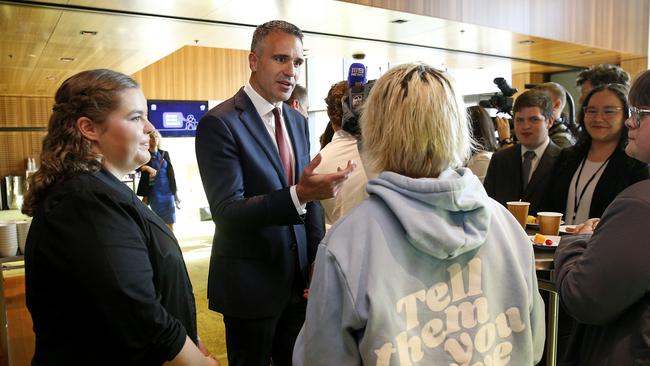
(549, 222)
(519, 210)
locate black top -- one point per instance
(106, 283)
(143, 186)
(621, 172)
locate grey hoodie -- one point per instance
(424, 272)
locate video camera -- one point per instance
(501, 101)
(357, 94)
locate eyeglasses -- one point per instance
(607, 112)
(638, 114)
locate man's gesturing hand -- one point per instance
(314, 186)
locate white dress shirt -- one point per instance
(265, 110)
(538, 155)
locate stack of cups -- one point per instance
(22, 227)
(8, 239)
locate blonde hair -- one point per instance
(414, 123)
(156, 134)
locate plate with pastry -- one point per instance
(531, 222)
(545, 242)
(567, 229)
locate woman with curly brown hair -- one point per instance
(342, 148)
(106, 283)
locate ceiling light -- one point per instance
(399, 21)
(526, 42)
(51, 78)
(587, 52)
(31, 55)
(67, 59)
(88, 33)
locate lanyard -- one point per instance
(576, 199)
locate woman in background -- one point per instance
(483, 132)
(343, 147)
(158, 183)
(588, 176)
(392, 277)
(106, 283)
(603, 279)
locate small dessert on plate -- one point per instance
(545, 241)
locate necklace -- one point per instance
(577, 199)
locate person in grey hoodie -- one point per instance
(428, 270)
(603, 274)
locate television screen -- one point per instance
(176, 118)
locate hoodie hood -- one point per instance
(442, 217)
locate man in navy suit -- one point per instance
(522, 172)
(253, 156)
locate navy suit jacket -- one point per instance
(504, 183)
(258, 232)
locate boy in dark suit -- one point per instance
(522, 171)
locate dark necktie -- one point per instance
(283, 147)
(525, 166)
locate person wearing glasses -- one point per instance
(588, 176)
(603, 274)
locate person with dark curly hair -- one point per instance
(342, 148)
(106, 282)
(598, 75)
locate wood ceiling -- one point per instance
(37, 37)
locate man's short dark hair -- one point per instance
(299, 93)
(535, 98)
(603, 74)
(274, 26)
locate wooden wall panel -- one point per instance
(193, 73)
(25, 111)
(16, 147)
(620, 25)
(188, 74)
(635, 66)
(520, 80)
